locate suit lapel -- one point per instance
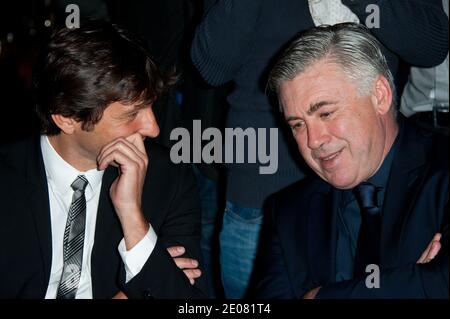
(321, 228)
(406, 175)
(37, 192)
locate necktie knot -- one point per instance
(366, 196)
(79, 184)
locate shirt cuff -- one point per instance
(135, 258)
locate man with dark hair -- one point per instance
(374, 222)
(85, 212)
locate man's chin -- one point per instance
(340, 182)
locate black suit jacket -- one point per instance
(170, 204)
(298, 246)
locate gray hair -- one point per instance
(349, 45)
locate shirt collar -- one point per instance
(61, 174)
(379, 179)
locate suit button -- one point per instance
(148, 295)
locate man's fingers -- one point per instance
(435, 247)
(192, 273)
(125, 147)
(437, 237)
(424, 255)
(116, 157)
(124, 156)
(120, 295)
(312, 293)
(186, 263)
(176, 251)
(432, 250)
(137, 140)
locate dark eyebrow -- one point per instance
(292, 118)
(316, 106)
(137, 108)
(133, 110)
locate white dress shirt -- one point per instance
(60, 176)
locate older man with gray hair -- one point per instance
(375, 224)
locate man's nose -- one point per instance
(149, 126)
(317, 135)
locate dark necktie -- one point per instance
(368, 247)
(73, 241)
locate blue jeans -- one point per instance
(238, 245)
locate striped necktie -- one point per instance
(73, 241)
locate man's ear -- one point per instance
(66, 124)
(382, 95)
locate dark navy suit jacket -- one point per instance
(298, 245)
